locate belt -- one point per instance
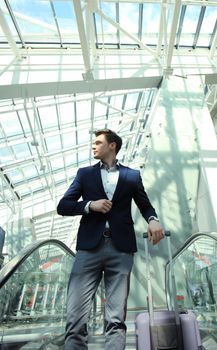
(107, 233)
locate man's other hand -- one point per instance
(155, 232)
(102, 205)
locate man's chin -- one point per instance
(96, 157)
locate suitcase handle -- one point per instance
(171, 277)
(167, 234)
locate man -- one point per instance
(106, 240)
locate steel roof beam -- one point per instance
(179, 30)
(26, 91)
(56, 22)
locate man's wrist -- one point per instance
(155, 218)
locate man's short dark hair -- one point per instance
(111, 136)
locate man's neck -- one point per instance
(109, 162)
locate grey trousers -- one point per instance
(85, 277)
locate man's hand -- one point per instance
(102, 205)
(155, 232)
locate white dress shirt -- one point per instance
(109, 178)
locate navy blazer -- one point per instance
(88, 185)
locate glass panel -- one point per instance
(6, 155)
(53, 143)
(57, 164)
(150, 23)
(99, 110)
(15, 175)
(48, 117)
(105, 28)
(131, 101)
(70, 159)
(109, 9)
(30, 171)
(190, 24)
(35, 19)
(66, 18)
(21, 151)
(83, 156)
(195, 272)
(83, 136)
(207, 27)
(11, 125)
(127, 21)
(59, 177)
(83, 110)
(66, 111)
(32, 308)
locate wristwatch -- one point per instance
(153, 218)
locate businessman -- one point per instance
(106, 240)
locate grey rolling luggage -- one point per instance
(166, 329)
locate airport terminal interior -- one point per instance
(147, 70)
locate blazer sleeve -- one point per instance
(142, 201)
(70, 205)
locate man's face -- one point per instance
(101, 148)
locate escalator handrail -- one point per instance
(190, 240)
(8, 269)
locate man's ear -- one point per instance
(113, 145)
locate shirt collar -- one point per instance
(114, 166)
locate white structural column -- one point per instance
(180, 173)
(162, 27)
(207, 193)
(8, 34)
(173, 30)
(182, 162)
(83, 37)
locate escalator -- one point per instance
(33, 295)
(33, 287)
(195, 267)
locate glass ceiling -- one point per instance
(40, 23)
(45, 137)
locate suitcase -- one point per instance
(166, 329)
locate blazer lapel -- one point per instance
(98, 179)
(121, 179)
